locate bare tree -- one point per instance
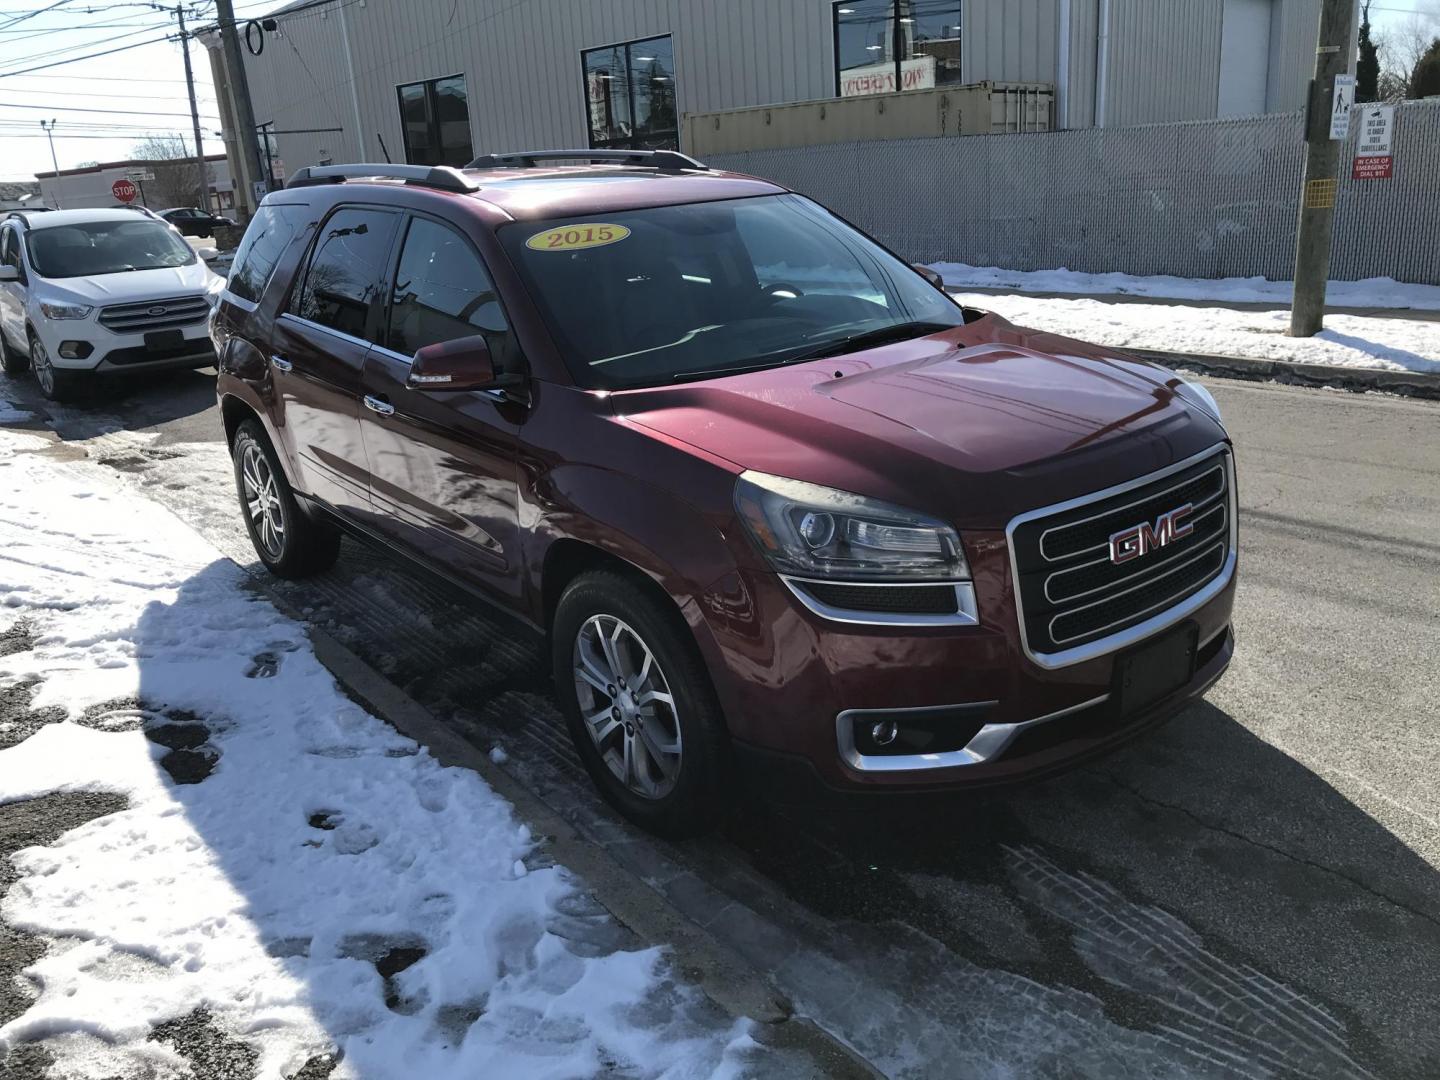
(177, 176)
(1402, 45)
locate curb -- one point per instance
(1359, 380)
(698, 956)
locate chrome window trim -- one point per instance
(1040, 544)
(987, 744)
(1130, 636)
(1195, 519)
(340, 334)
(228, 297)
(967, 612)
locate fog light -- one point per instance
(76, 350)
(884, 732)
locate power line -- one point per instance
(83, 45)
(32, 14)
(79, 108)
(90, 56)
(109, 93)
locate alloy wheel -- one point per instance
(627, 706)
(40, 361)
(262, 501)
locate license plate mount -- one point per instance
(164, 340)
(1154, 670)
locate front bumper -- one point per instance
(123, 353)
(792, 682)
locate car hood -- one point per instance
(976, 423)
(132, 285)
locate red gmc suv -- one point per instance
(766, 487)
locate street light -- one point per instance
(49, 130)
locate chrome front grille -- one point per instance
(1075, 602)
(148, 315)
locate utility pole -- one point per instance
(204, 176)
(49, 130)
(240, 87)
(1322, 171)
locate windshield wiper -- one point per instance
(835, 347)
(867, 339)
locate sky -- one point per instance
(103, 105)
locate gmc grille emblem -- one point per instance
(157, 311)
(1140, 539)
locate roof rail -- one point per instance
(440, 177)
(667, 160)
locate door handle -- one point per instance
(379, 405)
(280, 363)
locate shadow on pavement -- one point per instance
(125, 402)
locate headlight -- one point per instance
(64, 311)
(817, 531)
(1196, 394)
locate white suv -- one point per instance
(85, 292)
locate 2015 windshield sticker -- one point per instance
(576, 237)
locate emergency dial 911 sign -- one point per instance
(1373, 159)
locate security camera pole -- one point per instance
(1327, 121)
(240, 87)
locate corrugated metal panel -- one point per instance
(1164, 61)
(1083, 17)
(1215, 198)
(1293, 37)
(1009, 42)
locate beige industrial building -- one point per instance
(432, 81)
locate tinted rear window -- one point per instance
(269, 234)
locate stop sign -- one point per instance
(123, 190)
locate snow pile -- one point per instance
(1347, 340)
(1369, 293)
(326, 886)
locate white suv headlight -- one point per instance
(64, 311)
(818, 531)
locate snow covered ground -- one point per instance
(1347, 341)
(286, 862)
(1370, 293)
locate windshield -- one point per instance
(105, 247)
(649, 297)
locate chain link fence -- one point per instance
(1205, 199)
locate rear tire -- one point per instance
(14, 363)
(56, 384)
(640, 707)
(290, 542)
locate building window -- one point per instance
(630, 95)
(882, 46)
(435, 120)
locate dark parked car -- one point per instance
(769, 491)
(193, 222)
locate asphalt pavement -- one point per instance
(1250, 890)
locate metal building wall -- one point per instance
(522, 64)
(1009, 42)
(1164, 61)
(522, 61)
(1293, 35)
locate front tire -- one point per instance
(290, 542)
(55, 384)
(640, 707)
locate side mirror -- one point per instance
(929, 274)
(462, 364)
(9, 273)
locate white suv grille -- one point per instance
(150, 315)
